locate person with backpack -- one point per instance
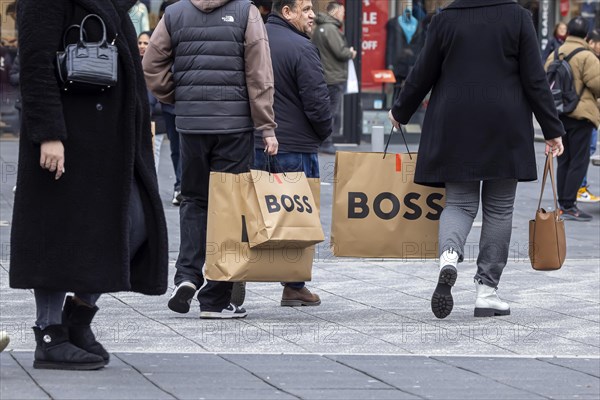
(574, 78)
(583, 194)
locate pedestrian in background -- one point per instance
(139, 17)
(164, 119)
(583, 194)
(477, 137)
(335, 54)
(558, 38)
(301, 107)
(220, 99)
(87, 214)
(579, 124)
(155, 111)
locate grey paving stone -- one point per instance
(531, 375)
(589, 366)
(15, 383)
(206, 376)
(426, 377)
(351, 394)
(295, 371)
(116, 381)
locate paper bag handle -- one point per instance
(390, 138)
(549, 168)
(273, 165)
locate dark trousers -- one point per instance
(336, 92)
(290, 162)
(173, 136)
(201, 154)
(573, 163)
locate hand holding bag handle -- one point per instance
(547, 239)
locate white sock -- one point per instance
(449, 257)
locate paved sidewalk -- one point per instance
(374, 336)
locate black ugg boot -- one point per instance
(54, 351)
(78, 317)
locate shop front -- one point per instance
(391, 34)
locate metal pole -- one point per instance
(377, 139)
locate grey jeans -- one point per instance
(462, 204)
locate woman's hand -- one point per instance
(52, 157)
(555, 146)
(395, 123)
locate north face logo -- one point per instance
(228, 18)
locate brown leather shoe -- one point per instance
(299, 297)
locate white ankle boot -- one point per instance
(442, 301)
(488, 304)
(449, 257)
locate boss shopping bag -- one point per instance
(229, 256)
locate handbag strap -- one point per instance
(549, 169)
(82, 38)
(70, 28)
(390, 138)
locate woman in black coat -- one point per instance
(482, 64)
(87, 215)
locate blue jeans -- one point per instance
(290, 162)
(593, 142)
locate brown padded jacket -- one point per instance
(586, 76)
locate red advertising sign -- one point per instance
(383, 76)
(374, 19)
(564, 7)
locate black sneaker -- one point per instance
(182, 297)
(441, 301)
(574, 214)
(230, 312)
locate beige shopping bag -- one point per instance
(281, 210)
(228, 253)
(378, 210)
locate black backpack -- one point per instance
(562, 86)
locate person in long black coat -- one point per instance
(87, 214)
(482, 64)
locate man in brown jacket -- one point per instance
(573, 163)
(211, 59)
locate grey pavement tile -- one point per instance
(427, 377)
(285, 371)
(590, 366)
(530, 375)
(15, 383)
(351, 394)
(206, 376)
(115, 381)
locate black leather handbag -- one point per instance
(87, 66)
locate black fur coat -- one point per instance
(72, 234)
